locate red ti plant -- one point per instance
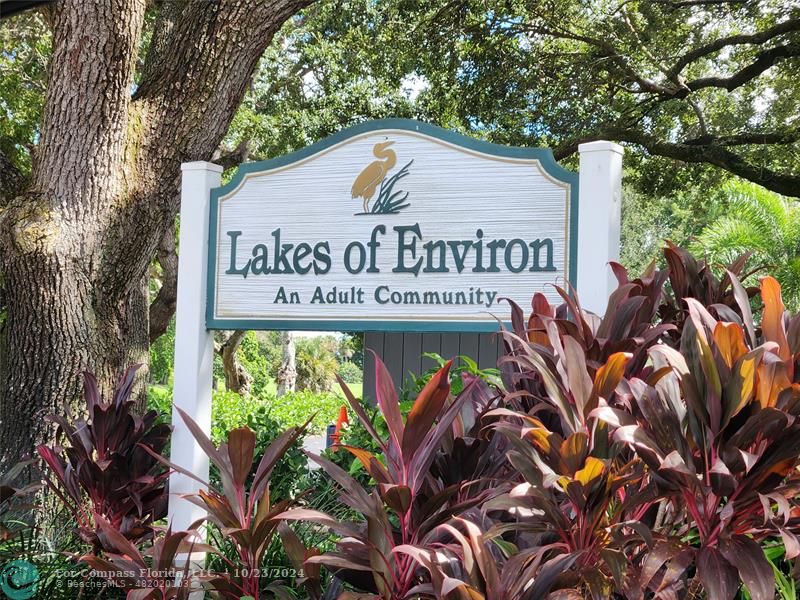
(245, 516)
(151, 575)
(718, 426)
(402, 509)
(105, 469)
(584, 502)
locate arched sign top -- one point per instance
(390, 225)
(543, 155)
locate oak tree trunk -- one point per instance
(75, 246)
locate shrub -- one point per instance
(351, 373)
(107, 471)
(156, 574)
(649, 453)
(718, 427)
(241, 508)
(408, 501)
(316, 363)
(295, 408)
(162, 356)
(256, 362)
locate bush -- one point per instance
(296, 408)
(351, 373)
(254, 360)
(107, 472)
(316, 363)
(162, 357)
(230, 411)
(653, 452)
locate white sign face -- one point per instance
(391, 225)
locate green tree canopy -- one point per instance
(764, 224)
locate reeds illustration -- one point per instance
(390, 202)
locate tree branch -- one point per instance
(734, 40)
(183, 108)
(163, 306)
(764, 61)
(675, 4)
(233, 158)
(749, 138)
(712, 153)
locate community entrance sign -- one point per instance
(390, 226)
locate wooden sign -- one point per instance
(390, 226)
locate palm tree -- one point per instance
(763, 223)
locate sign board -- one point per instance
(388, 226)
(391, 225)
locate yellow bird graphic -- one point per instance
(370, 178)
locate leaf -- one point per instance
(273, 453)
(729, 339)
(740, 387)
(422, 459)
(315, 516)
(655, 559)
(548, 574)
(427, 407)
(713, 383)
(636, 436)
(372, 465)
(206, 444)
(397, 497)
(387, 402)
(352, 492)
(580, 384)
(772, 318)
(753, 567)
(594, 468)
(241, 449)
(743, 302)
(613, 416)
(723, 483)
(362, 416)
(790, 543)
(573, 450)
(772, 380)
(718, 576)
(532, 359)
(609, 375)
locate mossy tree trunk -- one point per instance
(76, 242)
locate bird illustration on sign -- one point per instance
(374, 178)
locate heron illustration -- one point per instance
(373, 174)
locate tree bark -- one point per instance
(287, 374)
(236, 378)
(76, 246)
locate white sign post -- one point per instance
(194, 343)
(600, 199)
(391, 225)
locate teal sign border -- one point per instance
(543, 155)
